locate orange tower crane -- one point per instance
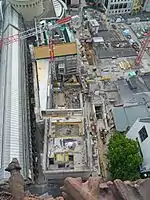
(142, 50)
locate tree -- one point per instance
(123, 158)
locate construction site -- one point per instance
(68, 147)
(86, 76)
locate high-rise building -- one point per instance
(115, 7)
(28, 8)
(16, 126)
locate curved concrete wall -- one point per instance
(29, 8)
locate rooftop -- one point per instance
(67, 153)
(146, 79)
(135, 91)
(114, 45)
(125, 116)
(66, 144)
(135, 100)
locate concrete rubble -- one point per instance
(74, 189)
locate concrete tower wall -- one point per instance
(28, 8)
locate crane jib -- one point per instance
(33, 31)
(64, 20)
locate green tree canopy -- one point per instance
(123, 158)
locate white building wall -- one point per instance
(12, 124)
(133, 133)
(117, 7)
(28, 8)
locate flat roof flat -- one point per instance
(114, 37)
(60, 50)
(125, 116)
(67, 153)
(129, 95)
(104, 53)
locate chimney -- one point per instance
(16, 181)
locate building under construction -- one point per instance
(65, 148)
(65, 152)
(54, 74)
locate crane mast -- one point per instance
(142, 50)
(51, 51)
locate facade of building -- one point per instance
(140, 131)
(28, 8)
(15, 127)
(118, 7)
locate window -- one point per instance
(120, 6)
(116, 6)
(71, 158)
(125, 5)
(139, 147)
(51, 161)
(62, 165)
(143, 134)
(111, 7)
